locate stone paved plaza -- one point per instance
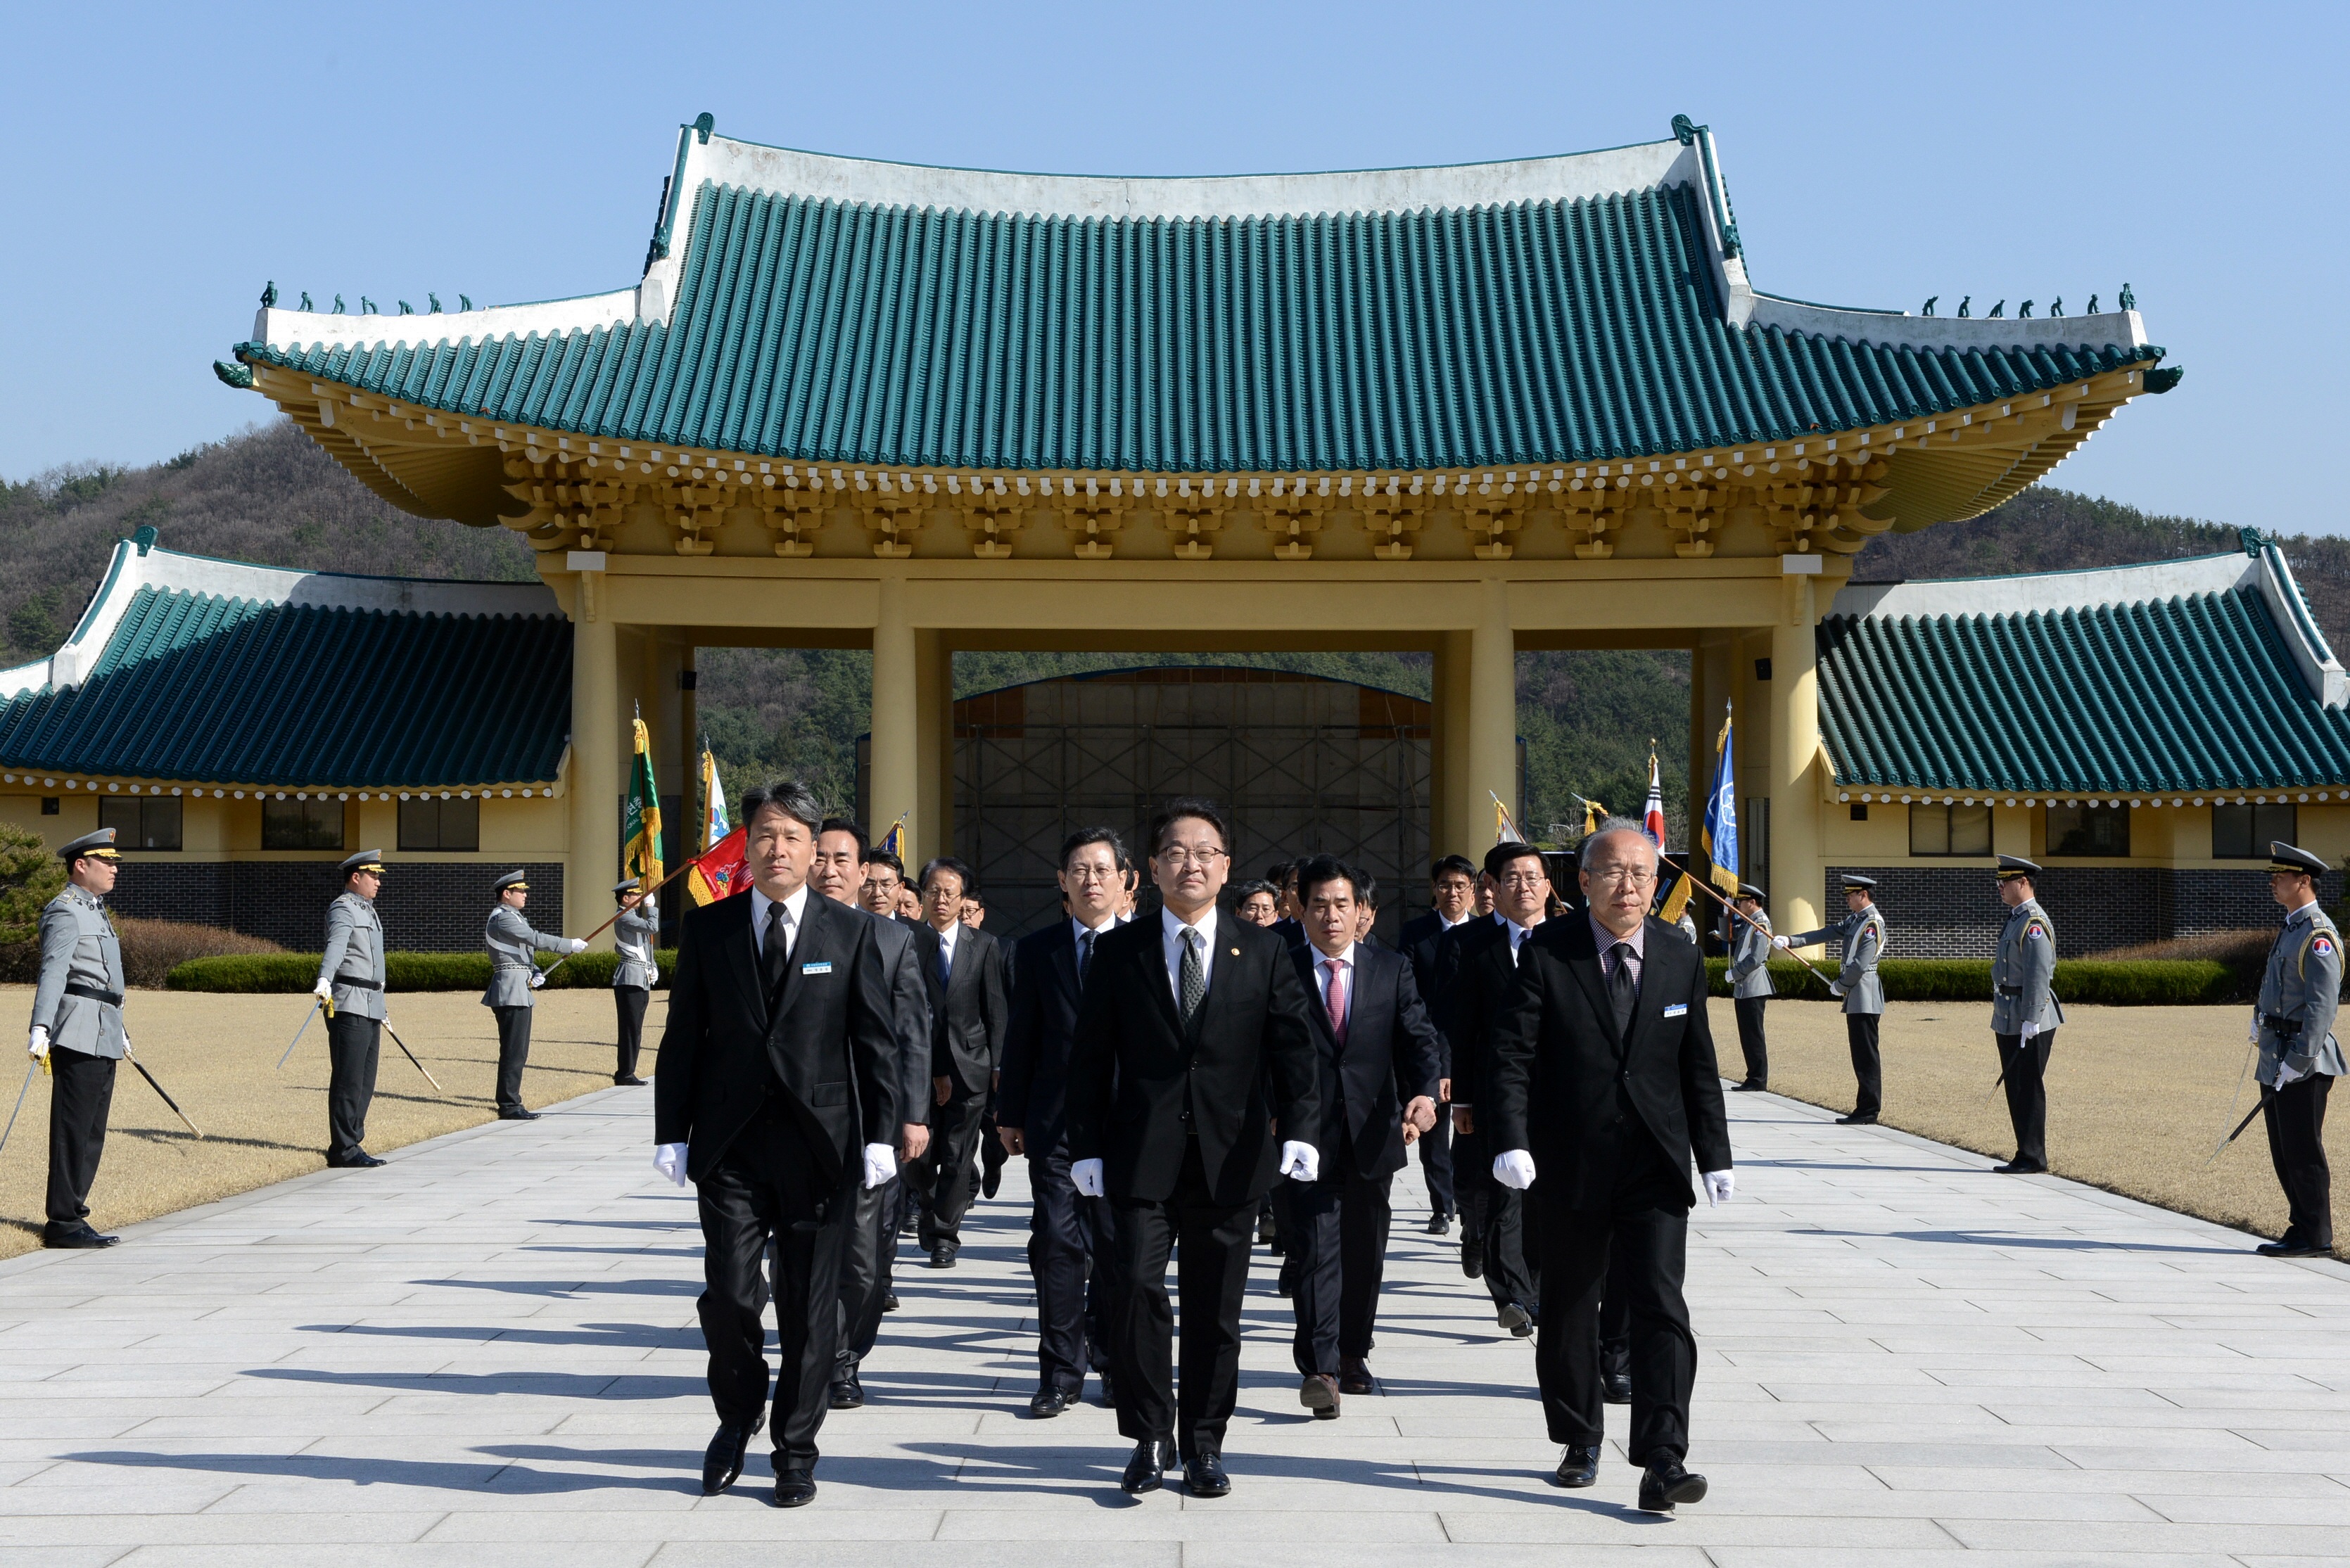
(487, 1352)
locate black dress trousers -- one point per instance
(1751, 1043)
(1067, 1243)
(82, 1092)
(1213, 1282)
(513, 1054)
(1436, 1163)
(2296, 1129)
(1512, 1247)
(866, 1253)
(628, 1002)
(766, 1191)
(1474, 1188)
(1860, 1035)
(353, 1044)
(2026, 1066)
(950, 1168)
(1340, 1247)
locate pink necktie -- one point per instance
(1334, 997)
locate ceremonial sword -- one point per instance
(412, 1057)
(37, 1062)
(298, 1033)
(160, 1089)
(2241, 1126)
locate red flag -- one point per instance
(721, 870)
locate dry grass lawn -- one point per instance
(2136, 1096)
(217, 1057)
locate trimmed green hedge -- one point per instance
(2143, 983)
(289, 973)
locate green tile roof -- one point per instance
(2196, 691)
(201, 687)
(1530, 331)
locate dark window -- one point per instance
(153, 823)
(1860, 812)
(2089, 830)
(2245, 832)
(48, 805)
(1936, 829)
(313, 824)
(427, 823)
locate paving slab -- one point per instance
(486, 1352)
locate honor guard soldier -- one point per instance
(2024, 1012)
(1862, 932)
(1750, 982)
(635, 932)
(2300, 1058)
(78, 1033)
(350, 984)
(512, 977)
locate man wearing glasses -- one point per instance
(1191, 1042)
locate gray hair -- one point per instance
(1613, 824)
(791, 797)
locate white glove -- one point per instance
(670, 1160)
(1718, 1184)
(881, 1165)
(2028, 1030)
(1086, 1175)
(537, 980)
(1515, 1169)
(575, 945)
(1300, 1161)
(325, 989)
(2288, 1073)
(1779, 942)
(36, 1045)
(1835, 989)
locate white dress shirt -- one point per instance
(947, 942)
(1518, 933)
(794, 912)
(1322, 962)
(1172, 942)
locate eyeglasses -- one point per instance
(1623, 875)
(1091, 874)
(1180, 859)
(1523, 879)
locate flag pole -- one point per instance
(1709, 891)
(607, 926)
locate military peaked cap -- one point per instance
(99, 845)
(512, 879)
(2010, 867)
(1853, 879)
(365, 860)
(2283, 857)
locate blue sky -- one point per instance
(160, 163)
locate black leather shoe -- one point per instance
(1049, 1403)
(795, 1488)
(890, 1301)
(847, 1393)
(1665, 1484)
(1752, 1085)
(1615, 1388)
(1516, 1319)
(2266, 1249)
(517, 1115)
(1440, 1225)
(1473, 1256)
(1146, 1470)
(83, 1240)
(1580, 1468)
(2019, 1167)
(1109, 1390)
(630, 1082)
(1318, 1391)
(362, 1160)
(990, 1180)
(1856, 1119)
(1355, 1377)
(943, 1258)
(722, 1460)
(1203, 1474)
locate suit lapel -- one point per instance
(741, 950)
(1305, 959)
(1151, 953)
(1660, 974)
(1064, 958)
(815, 946)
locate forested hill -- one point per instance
(269, 494)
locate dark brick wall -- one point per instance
(426, 907)
(1953, 911)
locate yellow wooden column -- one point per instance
(1797, 865)
(934, 746)
(599, 748)
(1493, 748)
(895, 784)
(1451, 826)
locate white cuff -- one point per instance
(670, 1160)
(1086, 1175)
(1300, 1161)
(1515, 1169)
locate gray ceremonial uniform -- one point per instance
(511, 941)
(1750, 988)
(2299, 994)
(634, 933)
(354, 962)
(2022, 973)
(79, 1001)
(1863, 936)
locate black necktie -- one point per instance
(772, 954)
(1084, 954)
(1191, 982)
(1623, 991)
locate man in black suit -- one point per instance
(1066, 1232)
(871, 1247)
(776, 1091)
(1452, 893)
(968, 1013)
(1191, 1042)
(1603, 1084)
(1377, 1055)
(1476, 965)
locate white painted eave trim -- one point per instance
(292, 329)
(2123, 329)
(2047, 592)
(2320, 671)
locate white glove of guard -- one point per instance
(1300, 1161)
(1718, 1184)
(2028, 1030)
(1515, 1169)
(1086, 1175)
(1836, 991)
(324, 991)
(36, 1045)
(574, 945)
(2288, 1073)
(670, 1160)
(1779, 943)
(537, 980)
(881, 1165)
